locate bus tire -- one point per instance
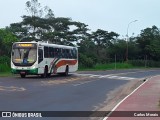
(45, 74)
(49, 74)
(23, 75)
(66, 71)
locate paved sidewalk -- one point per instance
(143, 104)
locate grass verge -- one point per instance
(5, 70)
(5, 74)
(110, 66)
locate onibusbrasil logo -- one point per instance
(21, 114)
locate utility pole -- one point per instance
(128, 39)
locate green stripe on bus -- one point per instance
(29, 71)
(54, 64)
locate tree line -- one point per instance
(98, 46)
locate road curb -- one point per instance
(145, 80)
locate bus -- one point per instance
(43, 58)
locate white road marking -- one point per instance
(95, 76)
(105, 76)
(124, 78)
(11, 88)
(113, 77)
(82, 74)
(83, 83)
(110, 76)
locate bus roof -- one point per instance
(49, 44)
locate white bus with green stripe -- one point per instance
(40, 58)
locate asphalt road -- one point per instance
(81, 91)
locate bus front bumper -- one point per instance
(27, 72)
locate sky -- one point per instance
(109, 15)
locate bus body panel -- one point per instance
(39, 59)
(27, 70)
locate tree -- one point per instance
(36, 23)
(18, 30)
(34, 8)
(64, 30)
(149, 41)
(118, 49)
(6, 41)
(103, 40)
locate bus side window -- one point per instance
(74, 53)
(70, 55)
(64, 53)
(55, 52)
(46, 51)
(59, 52)
(67, 53)
(51, 52)
(40, 55)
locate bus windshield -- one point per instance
(24, 55)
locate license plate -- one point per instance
(23, 72)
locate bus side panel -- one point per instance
(41, 66)
(71, 63)
(72, 68)
(46, 62)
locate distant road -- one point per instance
(81, 91)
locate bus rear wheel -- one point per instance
(66, 71)
(23, 75)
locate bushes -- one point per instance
(109, 66)
(5, 60)
(152, 63)
(144, 63)
(4, 64)
(140, 63)
(85, 62)
(4, 68)
(88, 62)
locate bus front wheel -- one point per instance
(45, 74)
(23, 75)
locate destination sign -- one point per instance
(24, 45)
